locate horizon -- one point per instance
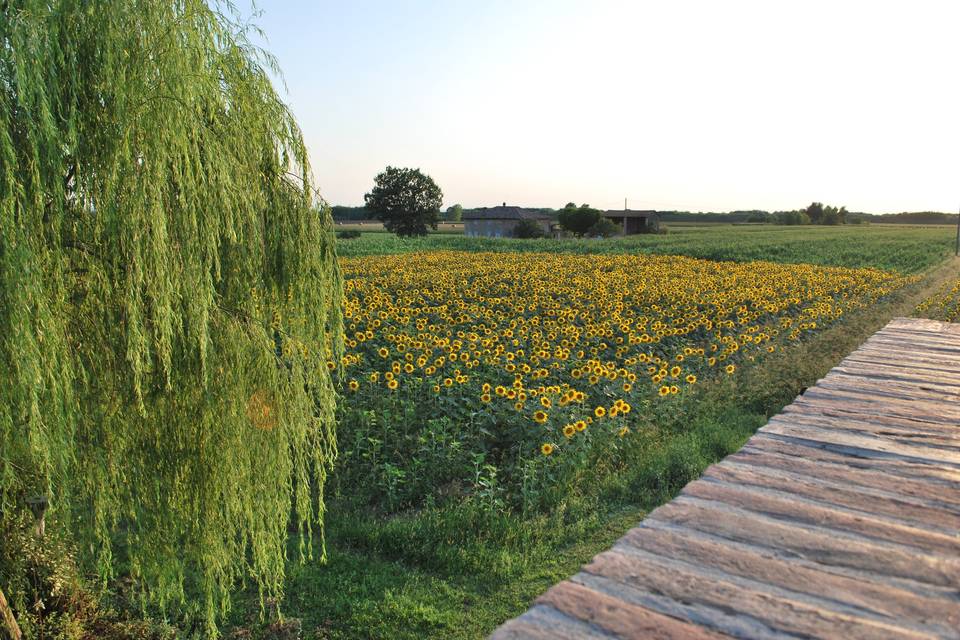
(694, 106)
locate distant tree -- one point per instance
(820, 214)
(528, 228)
(814, 212)
(791, 218)
(604, 228)
(454, 213)
(406, 201)
(340, 213)
(578, 220)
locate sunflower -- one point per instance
(392, 384)
(580, 425)
(540, 416)
(599, 412)
(692, 379)
(730, 368)
(383, 352)
(353, 385)
(569, 430)
(546, 448)
(664, 391)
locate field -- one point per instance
(511, 407)
(902, 248)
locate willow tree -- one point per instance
(169, 298)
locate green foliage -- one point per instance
(528, 228)
(169, 298)
(820, 214)
(606, 228)
(348, 234)
(406, 201)
(454, 213)
(341, 213)
(578, 220)
(791, 218)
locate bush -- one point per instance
(604, 228)
(527, 228)
(348, 234)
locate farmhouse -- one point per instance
(500, 222)
(633, 221)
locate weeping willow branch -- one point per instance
(145, 206)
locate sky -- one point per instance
(673, 105)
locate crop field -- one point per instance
(902, 248)
(942, 305)
(510, 407)
(530, 367)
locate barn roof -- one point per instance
(504, 213)
(629, 213)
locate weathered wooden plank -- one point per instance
(918, 340)
(914, 389)
(543, 622)
(941, 496)
(914, 393)
(915, 364)
(944, 479)
(844, 591)
(928, 435)
(911, 334)
(934, 412)
(930, 455)
(898, 402)
(898, 373)
(923, 324)
(868, 500)
(880, 425)
(797, 508)
(615, 616)
(779, 611)
(932, 346)
(825, 546)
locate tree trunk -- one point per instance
(13, 629)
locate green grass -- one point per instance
(907, 249)
(458, 571)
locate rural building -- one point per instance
(633, 221)
(499, 222)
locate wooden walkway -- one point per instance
(839, 519)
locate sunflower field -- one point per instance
(507, 376)
(943, 305)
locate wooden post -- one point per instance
(8, 620)
(38, 504)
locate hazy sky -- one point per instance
(714, 105)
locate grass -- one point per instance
(457, 572)
(907, 249)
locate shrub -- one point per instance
(604, 228)
(348, 234)
(527, 228)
